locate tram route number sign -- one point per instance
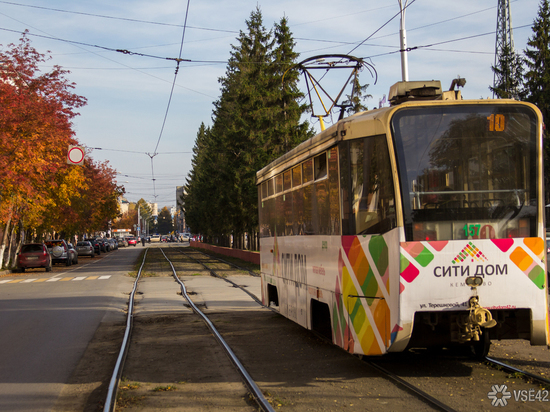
(479, 232)
(75, 155)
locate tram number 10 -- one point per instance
(496, 122)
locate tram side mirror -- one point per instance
(474, 281)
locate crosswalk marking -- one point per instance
(66, 279)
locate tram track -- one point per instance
(415, 370)
(214, 273)
(110, 404)
(285, 360)
(519, 372)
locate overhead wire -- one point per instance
(178, 61)
(381, 27)
(181, 46)
(103, 16)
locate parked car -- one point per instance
(132, 241)
(85, 248)
(122, 242)
(104, 245)
(155, 238)
(74, 254)
(97, 246)
(59, 249)
(185, 237)
(113, 242)
(34, 255)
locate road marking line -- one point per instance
(55, 279)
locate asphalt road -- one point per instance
(48, 319)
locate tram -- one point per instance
(411, 226)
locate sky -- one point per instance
(145, 124)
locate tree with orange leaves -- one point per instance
(38, 189)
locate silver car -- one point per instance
(85, 248)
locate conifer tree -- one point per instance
(255, 120)
(243, 122)
(355, 99)
(537, 59)
(510, 72)
(289, 131)
(537, 76)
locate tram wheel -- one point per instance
(480, 349)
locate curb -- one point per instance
(4, 273)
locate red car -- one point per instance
(34, 255)
(132, 241)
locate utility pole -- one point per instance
(504, 39)
(403, 43)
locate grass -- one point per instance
(124, 399)
(165, 388)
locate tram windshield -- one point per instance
(467, 171)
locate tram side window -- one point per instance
(270, 187)
(368, 196)
(307, 171)
(297, 176)
(320, 166)
(287, 184)
(278, 183)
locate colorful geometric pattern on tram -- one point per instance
(527, 264)
(370, 316)
(422, 256)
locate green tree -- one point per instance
(146, 215)
(199, 201)
(165, 224)
(537, 75)
(357, 96)
(510, 73)
(255, 120)
(244, 123)
(289, 131)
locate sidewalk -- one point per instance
(4, 273)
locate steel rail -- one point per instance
(257, 393)
(421, 394)
(516, 370)
(229, 263)
(110, 401)
(213, 273)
